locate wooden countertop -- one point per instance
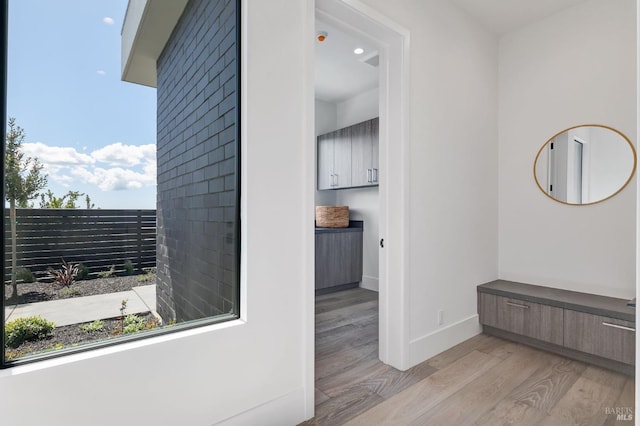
(354, 226)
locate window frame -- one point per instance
(179, 327)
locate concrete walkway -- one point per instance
(85, 309)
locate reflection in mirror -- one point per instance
(585, 164)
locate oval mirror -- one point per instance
(585, 164)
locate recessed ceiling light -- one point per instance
(321, 36)
(358, 50)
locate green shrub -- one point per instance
(147, 276)
(69, 292)
(55, 347)
(133, 323)
(21, 330)
(10, 354)
(25, 275)
(129, 269)
(96, 325)
(108, 273)
(83, 272)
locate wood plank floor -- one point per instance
(482, 381)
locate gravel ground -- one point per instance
(40, 292)
(73, 335)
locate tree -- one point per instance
(23, 181)
(67, 201)
(87, 200)
(48, 200)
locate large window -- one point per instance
(121, 200)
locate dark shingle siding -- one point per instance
(197, 110)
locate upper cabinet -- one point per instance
(334, 160)
(364, 153)
(348, 158)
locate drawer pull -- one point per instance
(516, 305)
(621, 327)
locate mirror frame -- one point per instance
(633, 170)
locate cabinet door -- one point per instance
(533, 320)
(325, 160)
(323, 266)
(338, 258)
(342, 158)
(375, 148)
(361, 154)
(606, 337)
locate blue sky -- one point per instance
(93, 132)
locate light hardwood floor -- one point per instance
(482, 381)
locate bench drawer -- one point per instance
(529, 319)
(602, 336)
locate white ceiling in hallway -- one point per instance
(340, 74)
(502, 16)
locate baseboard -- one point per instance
(335, 288)
(369, 283)
(287, 409)
(431, 344)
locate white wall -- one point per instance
(549, 81)
(453, 171)
(611, 162)
(253, 371)
(363, 205)
(357, 109)
(326, 117)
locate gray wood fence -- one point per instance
(97, 238)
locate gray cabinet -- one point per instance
(528, 319)
(338, 256)
(334, 160)
(348, 157)
(342, 159)
(325, 161)
(375, 148)
(587, 327)
(364, 153)
(602, 336)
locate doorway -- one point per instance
(392, 42)
(567, 156)
(347, 101)
(346, 122)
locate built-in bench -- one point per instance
(587, 327)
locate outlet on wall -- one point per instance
(440, 317)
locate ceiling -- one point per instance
(340, 74)
(502, 16)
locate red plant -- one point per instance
(64, 276)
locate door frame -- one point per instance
(393, 42)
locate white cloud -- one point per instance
(62, 179)
(118, 154)
(101, 72)
(150, 168)
(134, 165)
(107, 20)
(116, 178)
(56, 155)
